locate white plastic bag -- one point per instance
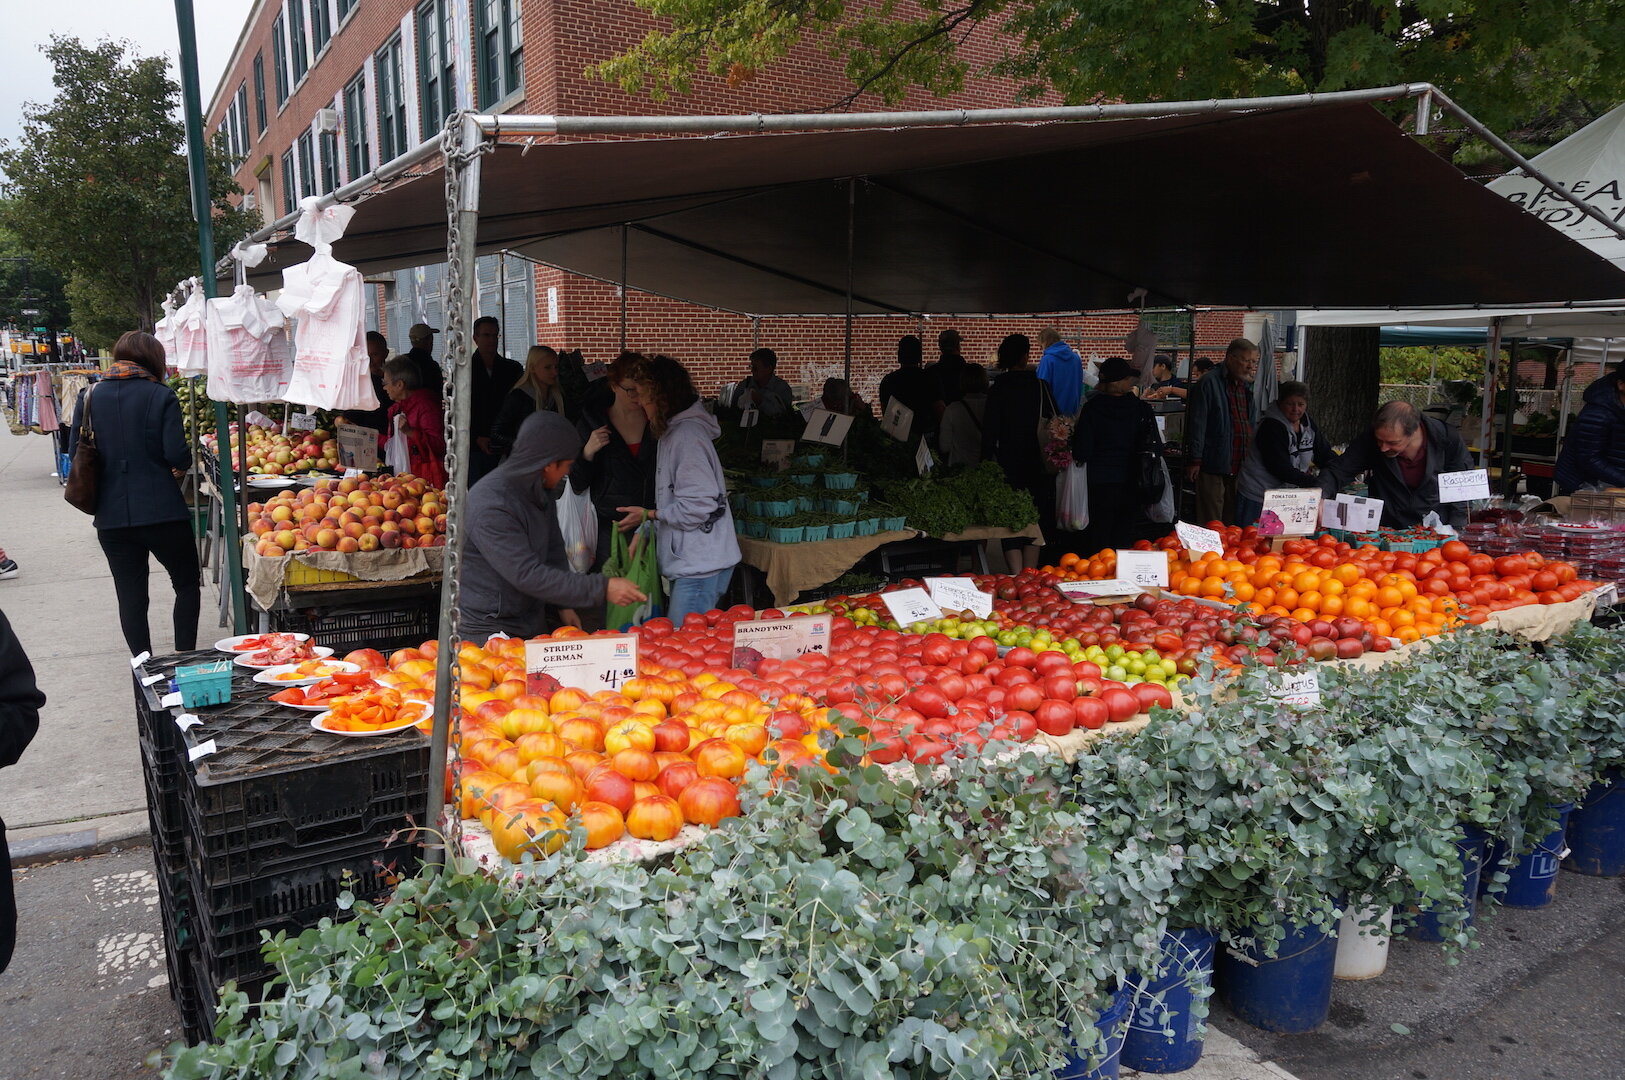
(396, 454)
(249, 356)
(578, 522)
(1163, 509)
(1072, 498)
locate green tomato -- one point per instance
(1117, 673)
(1115, 652)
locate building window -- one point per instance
(358, 149)
(290, 188)
(501, 50)
(321, 25)
(259, 93)
(391, 103)
(296, 34)
(437, 81)
(241, 104)
(345, 7)
(279, 60)
(330, 162)
(307, 164)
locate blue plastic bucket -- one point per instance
(1597, 830)
(1533, 878)
(1290, 992)
(1163, 1003)
(1112, 1024)
(1470, 848)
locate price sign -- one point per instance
(187, 721)
(302, 422)
(824, 426)
(1464, 486)
(203, 749)
(922, 458)
(749, 417)
(782, 639)
(169, 701)
(1352, 512)
(777, 451)
(1301, 691)
(898, 419)
(139, 659)
(957, 594)
(1143, 568)
(150, 679)
(1289, 512)
(1196, 538)
(911, 606)
(1090, 590)
(590, 663)
(1607, 596)
(358, 446)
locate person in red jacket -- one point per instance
(418, 416)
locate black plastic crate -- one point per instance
(230, 914)
(406, 624)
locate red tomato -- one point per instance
(887, 750)
(1055, 718)
(952, 686)
(1150, 694)
(1086, 669)
(1122, 704)
(1049, 662)
(1060, 687)
(1020, 656)
(1013, 676)
(928, 750)
(1023, 723)
(1026, 697)
(1090, 712)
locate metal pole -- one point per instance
(1568, 388)
(1492, 356)
(851, 249)
(1433, 370)
(462, 171)
(623, 286)
(1512, 410)
(192, 102)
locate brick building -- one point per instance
(318, 92)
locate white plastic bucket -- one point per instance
(1362, 953)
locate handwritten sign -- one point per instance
(898, 419)
(1464, 486)
(1091, 590)
(358, 446)
(911, 606)
(922, 458)
(169, 701)
(302, 421)
(1289, 512)
(1196, 538)
(590, 663)
(1301, 691)
(1355, 513)
(828, 427)
(958, 594)
(1143, 568)
(749, 417)
(783, 639)
(1607, 596)
(777, 451)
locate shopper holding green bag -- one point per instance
(514, 560)
(637, 563)
(693, 527)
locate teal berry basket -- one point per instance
(786, 534)
(810, 533)
(866, 527)
(840, 481)
(204, 684)
(842, 530)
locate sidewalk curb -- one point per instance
(116, 833)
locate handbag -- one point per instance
(1150, 471)
(80, 490)
(1045, 421)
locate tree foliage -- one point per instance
(1411, 364)
(99, 189)
(1509, 61)
(28, 282)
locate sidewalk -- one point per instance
(78, 787)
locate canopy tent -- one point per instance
(1591, 164)
(1402, 336)
(1004, 218)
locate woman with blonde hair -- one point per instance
(536, 390)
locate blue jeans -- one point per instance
(696, 594)
(1247, 511)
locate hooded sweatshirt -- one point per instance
(514, 561)
(1594, 450)
(695, 528)
(1281, 457)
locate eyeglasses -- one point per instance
(630, 390)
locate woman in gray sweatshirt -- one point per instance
(698, 549)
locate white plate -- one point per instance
(229, 644)
(316, 722)
(270, 482)
(268, 676)
(322, 652)
(309, 708)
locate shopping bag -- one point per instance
(397, 456)
(1072, 497)
(578, 523)
(640, 563)
(1163, 509)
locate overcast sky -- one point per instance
(148, 24)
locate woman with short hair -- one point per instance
(1285, 447)
(420, 419)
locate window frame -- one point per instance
(290, 183)
(307, 163)
(357, 147)
(321, 27)
(239, 102)
(327, 146)
(345, 7)
(502, 75)
(389, 80)
(260, 113)
(437, 92)
(300, 46)
(279, 60)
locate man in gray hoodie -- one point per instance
(514, 562)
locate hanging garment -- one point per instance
(249, 355)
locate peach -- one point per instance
(347, 543)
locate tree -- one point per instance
(1530, 67)
(1413, 364)
(99, 188)
(28, 283)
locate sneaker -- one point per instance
(9, 568)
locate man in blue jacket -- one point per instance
(1062, 368)
(20, 703)
(1220, 418)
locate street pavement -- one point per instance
(87, 998)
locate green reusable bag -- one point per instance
(643, 568)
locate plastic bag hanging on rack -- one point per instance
(250, 357)
(191, 328)
(328, 300)
(164, 331)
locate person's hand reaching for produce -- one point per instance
(635, 516)
(622, 591)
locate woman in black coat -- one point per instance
(141, 456)
(1016, 402)
(617, 462)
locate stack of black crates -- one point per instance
(265, 832)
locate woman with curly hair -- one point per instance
(698, 550)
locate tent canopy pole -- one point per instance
(1492, 356)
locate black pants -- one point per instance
(8, 904)
(171, 543)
